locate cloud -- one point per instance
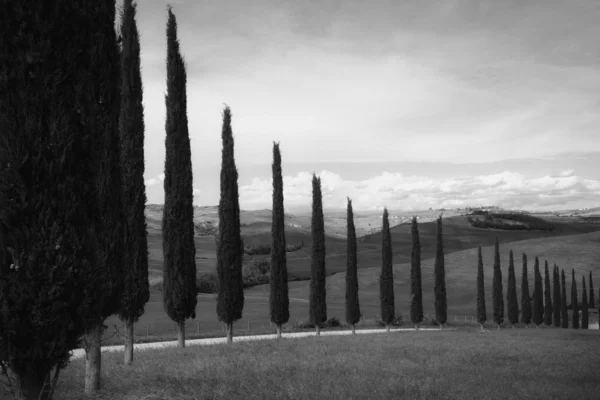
(153, 181)
(395, 190)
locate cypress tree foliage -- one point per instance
(592, 302)
(547, 297)
(136, 291)
(497, 298)
(386, 280)
(574, 302)
(511, 296)
(317, 299)
(416, 292)
(352, 304)
(525, 298)
(564, 315)
(441, 306)
(60, 246)
(538, 300)
(179, 249)
(279, 300)
(584, 306)
(230, 247)
(557, 298)
(481, 311)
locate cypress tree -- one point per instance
(511, 296)
(352, 304)
(538, 300)
(386, 280)
(279, 300)
(574, 302)
(481, 311)
(584, 306)
(317, 300)
(230, 247)
(441, 306)
(525, 298)
(179, 250)
(592, 300)
(557, 297)
(497, 298)
(564, 315)
(547, 297)
(136, 291)
(416, 292)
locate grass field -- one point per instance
(524, 364)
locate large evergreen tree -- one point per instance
(481, 311)
(584, 306)
(317, 300)
(564, 315)
(525, 298)
(230, 247)
(538, 300)
(416, 292)
(441, 306)
(574, 302)
(136, 291)
(511, 295)
(352, 304)
(179, 249)
(592, 302)
(548, 311)
(279, 300)
(556, 296)
(386, 280)
(497, 298)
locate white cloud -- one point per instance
(153, 181)
(395, 190)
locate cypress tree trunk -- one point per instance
(279, 302)
(354, 329)
(564, 315)
(317, 299)
(318, 329)
(538, 301)
(93, 359)
(584, 306)
(352, 304)
(557, 299)
(386, 279)
(416, 298)
(574, 302)
(592, 300)
(525, 298)
(547, 297)
(511, 296)
(497, 298)
(181, 334)
(441, 306)
(136, 291)
(481, 311)
(179, 249)
(230, 333)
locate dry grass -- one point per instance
(524, 364)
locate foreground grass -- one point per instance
(524, 364)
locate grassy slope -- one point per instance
(524, 364)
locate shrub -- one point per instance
(207, 283)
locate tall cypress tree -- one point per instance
(416, 292)
(386, 280)
(481, 311)
(574, 302)
(557, 298)
(547, 297)
(538, 300)
(136, 291)
(279, 300)
(317, 300)
(179, 250)
(441, 306)
(511, 296)
(584, 306)
(352, 304)
(564, 315)
(497, 298)
(230, 247)
(525, 298)
(592, 300)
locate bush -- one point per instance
(261, 249)
(397, 321)
(207, 283)
(500, 221)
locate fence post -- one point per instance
(248, 326)
(147, 331)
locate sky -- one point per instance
(404, 104)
